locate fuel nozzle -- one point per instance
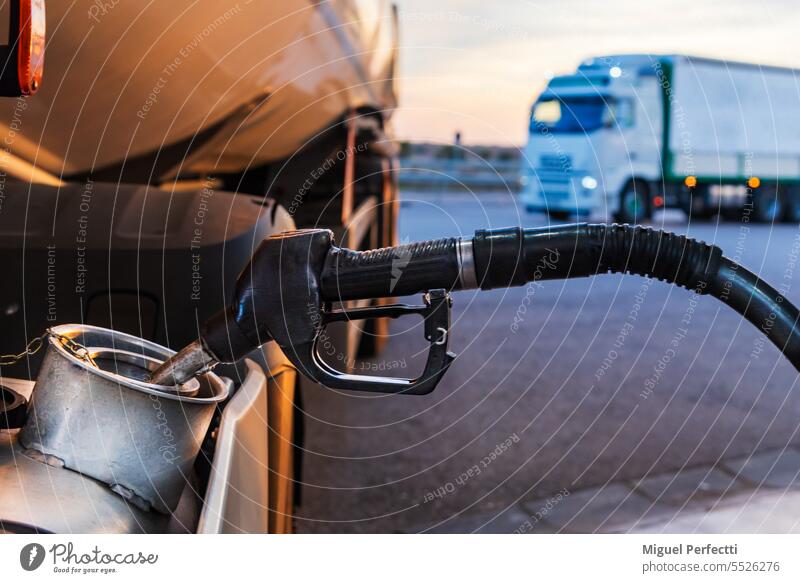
(272, 299)
(285, 295)
(187, 363)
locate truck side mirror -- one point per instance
(22, 58)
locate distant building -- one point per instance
(459, 167)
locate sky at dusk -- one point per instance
(476, 66)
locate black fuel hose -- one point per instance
(514, 256)
(762, 305)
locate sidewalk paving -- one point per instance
(755, 494)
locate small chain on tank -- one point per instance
(36, 344)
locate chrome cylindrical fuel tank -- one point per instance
(93, 411)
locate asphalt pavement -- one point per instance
(558, 387)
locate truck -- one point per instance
(626, 135)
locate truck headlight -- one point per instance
(589, 182)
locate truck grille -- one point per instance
(555, 163)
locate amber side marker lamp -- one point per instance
(22, 59)
(690, 181)
(753, 182)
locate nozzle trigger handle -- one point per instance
(436, 314)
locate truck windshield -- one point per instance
(570, 114)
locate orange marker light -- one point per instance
(30, 54)
(658, 201)
(690, 181)
(754, 182)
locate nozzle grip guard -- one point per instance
(436, 313)
(279, 297)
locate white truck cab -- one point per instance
(595, 140)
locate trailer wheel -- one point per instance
(792, 213)
(768, 205)
(560, 216)
(697, 207)
(634, 203)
